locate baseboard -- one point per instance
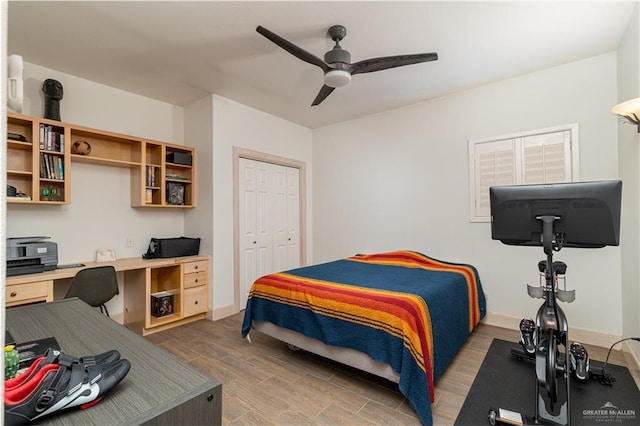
(117, 317)
(633, 361)
(222, 312)
(575, 334)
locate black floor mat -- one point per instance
(504, 382)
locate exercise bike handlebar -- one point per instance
(547, 232)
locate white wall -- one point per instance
(236, 125)
(399, 180)
(100, 214)
(629, 147)
(198, 128)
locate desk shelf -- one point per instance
(166, 279)
(187, 278)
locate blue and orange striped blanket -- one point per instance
(401, 308)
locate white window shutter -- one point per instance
(543, 156)
(494, 165)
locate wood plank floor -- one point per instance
(266, 383)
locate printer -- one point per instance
(29, 255)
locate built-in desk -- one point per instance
(186, 277)
(159, 389)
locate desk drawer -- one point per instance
(196, 301)
(28, 292)
(195, 279)
(192, 267)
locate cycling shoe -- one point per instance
(53, 356)
(56, 387)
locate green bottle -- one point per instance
(11, 362)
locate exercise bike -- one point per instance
(574, 214)
(542, 340)
(551, 334)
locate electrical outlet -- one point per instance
(130, 242)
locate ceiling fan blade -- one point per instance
(322, 94)
(293, 49)
(379, 64)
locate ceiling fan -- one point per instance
(337, 65)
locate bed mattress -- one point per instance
(400, 308)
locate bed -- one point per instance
(400, 315)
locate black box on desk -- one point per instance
(183, 158)
(28, 352)
(162, 304)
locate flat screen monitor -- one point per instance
(587, 213)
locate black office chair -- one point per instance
(95, 286)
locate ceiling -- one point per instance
(178, 52)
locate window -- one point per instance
(538, 156)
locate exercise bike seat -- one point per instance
(558, 266)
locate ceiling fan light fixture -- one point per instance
(337, 78)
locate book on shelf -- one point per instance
(51, 167)
(42, 136)
(20, 198)
(151, 176)
(176, 176)
(51, 138)
(60, 169)
(44, 166)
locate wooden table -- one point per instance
(159, 389)
(186, 277)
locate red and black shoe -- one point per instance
(61, 386)
(53, 356)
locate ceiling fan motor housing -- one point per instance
(337, 54)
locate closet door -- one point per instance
(293, 218)
(247, 222)
(264, 218)
(280, 228)
(269, 221)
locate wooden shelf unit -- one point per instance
(107, 148)
(179, 175)
(151, 173)
(38, 166)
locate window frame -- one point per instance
(517, 139)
